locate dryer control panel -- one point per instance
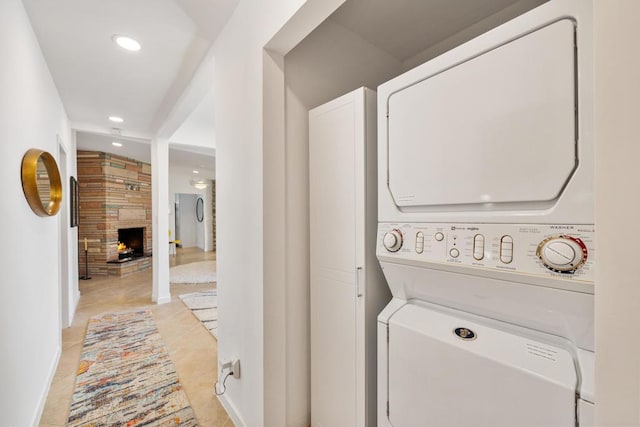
(561, 253)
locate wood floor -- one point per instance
(192, 349)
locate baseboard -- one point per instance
(164, 300)
(43, 398)
(76, 301)
(231, 411)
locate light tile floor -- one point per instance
(193, 350)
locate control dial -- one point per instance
(563, 253)
(392, 240)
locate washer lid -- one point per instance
(455, 372)
(498, 128)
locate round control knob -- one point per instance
(392, 240)
(562, 254)
(454, 253)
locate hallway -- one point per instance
(193, 350)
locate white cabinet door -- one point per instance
(336, 186)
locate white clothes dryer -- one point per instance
(486, 229)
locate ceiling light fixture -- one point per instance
(116, 119)
(200, 184)
(127, 43)
(196, 171)
(116, 144)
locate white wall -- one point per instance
(617, 207)
(200, 232)
(241, 215)
(332, 61)
(70, 291)
(179, 184)
(186, 220)
(31, 116)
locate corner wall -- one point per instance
(617, 62)
(31, 116)
(239, 109)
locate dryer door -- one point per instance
(498, 128)
(448, 371)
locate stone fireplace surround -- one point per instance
(115, 193)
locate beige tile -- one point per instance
(192, 349)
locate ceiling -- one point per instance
(131, 148)
(97, 79)
(404, 28)
(183, 160)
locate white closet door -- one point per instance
(333, 177)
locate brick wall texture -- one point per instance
(115, 192)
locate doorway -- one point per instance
(189, 229)
(63, 258)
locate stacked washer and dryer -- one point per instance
(486, 229)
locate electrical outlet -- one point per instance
(235, 367)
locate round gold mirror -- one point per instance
(41, 182)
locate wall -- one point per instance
(186, 220)
(115, 192)
(249, 120)
(179, 184)
(211, 234)
(70, 292)
(617, 205)
(200, 232)
(312, 74)
(31, 115)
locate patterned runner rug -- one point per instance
(126, 377)
(204, 305)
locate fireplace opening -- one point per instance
(130, 243)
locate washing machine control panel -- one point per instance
(392, 240)
(558, 252)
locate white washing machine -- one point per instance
(486, 229)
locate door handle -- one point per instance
(358, 292)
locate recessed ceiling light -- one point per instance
(116, 144)
(127, 43)
(196, 171)
(116, 119)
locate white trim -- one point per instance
(74, 308)
(43, 397)
(231, 411)
(164, 300)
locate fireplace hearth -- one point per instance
(130, 243)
